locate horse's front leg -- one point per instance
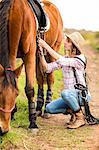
(29, 61)
(40, 100)
(40, 94)
(50, 81)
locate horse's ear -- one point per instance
(18, 70)
(1, 70)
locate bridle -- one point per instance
(42, 36)
(3, 109)
(6, 110)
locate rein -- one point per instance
(8, 69)
(6, 110)
(41, 35)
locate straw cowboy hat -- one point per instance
(77, 40)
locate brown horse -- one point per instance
(54, 38)
(18, 39)
(8, 77)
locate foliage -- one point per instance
(93, 39)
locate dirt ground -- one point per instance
(93, 73)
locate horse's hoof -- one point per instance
(38, 113)
(34, 131)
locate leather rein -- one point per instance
(41, 35)
(6, 110)
(3, 109)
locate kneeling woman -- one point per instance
(72, 60)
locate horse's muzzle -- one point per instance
(1, 132)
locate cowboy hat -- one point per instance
(77, 40)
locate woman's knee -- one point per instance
(70, 98)
(49, 109)
(65, 94)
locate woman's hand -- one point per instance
(40, 51)
(42, 43)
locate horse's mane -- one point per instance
(4, 46)
(9, 78)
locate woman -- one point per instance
(72, 60)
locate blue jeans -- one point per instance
(68, 99)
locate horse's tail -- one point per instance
(4, 47)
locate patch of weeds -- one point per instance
(11, 138)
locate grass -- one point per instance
(93, 39)
(49, 137)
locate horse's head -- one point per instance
(8, 94)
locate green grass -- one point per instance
(92, 39)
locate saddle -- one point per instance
(42, 17)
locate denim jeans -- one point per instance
(68, 99)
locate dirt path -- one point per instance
(93, 72)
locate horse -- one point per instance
(54, 38)
(18, 40)
(8, 76)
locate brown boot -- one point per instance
(80, 121)
(72, 119)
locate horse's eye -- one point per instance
(0, 92)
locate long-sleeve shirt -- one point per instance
(67, 65)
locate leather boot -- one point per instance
(80, 121)
(72, 119)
